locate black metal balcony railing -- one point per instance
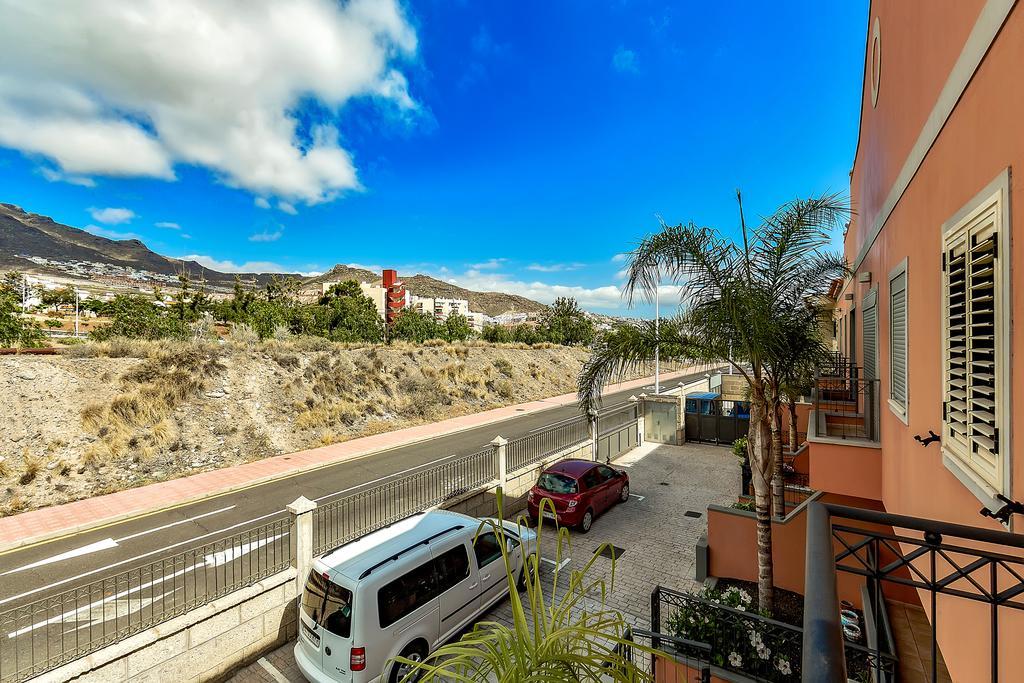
(846, 407)
(938, 558)
(740, 641)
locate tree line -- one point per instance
(341, 314)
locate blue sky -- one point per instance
(514, 146)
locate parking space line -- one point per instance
(633, 495)
(556, 566)
(272, 670)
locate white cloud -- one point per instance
(489, 264)
(619, 258)
(608, 296)
(267, 236)
(287, 207)
(261, 202)
(168, 225)
(247, 267)
(54, 176)
(112, 215)
(555, 267)
(132, 89)
(625, 61)
(111, 234)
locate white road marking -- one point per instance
(555, 565)
(168, 526)
(633, 495)
(272, 670)
(137, 557)
(215, 560)
(105, 544)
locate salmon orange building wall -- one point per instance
(732, 548)
(982, 137)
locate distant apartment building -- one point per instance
(391, 297)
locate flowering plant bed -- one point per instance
(741, 640)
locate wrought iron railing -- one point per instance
(938, 558)
(846, 407)
(793, 495)
(746, 643)
(374, 508)
(838, 365)
(40, 635)
(533, 448)
(674, 659)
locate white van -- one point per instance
(402, 590)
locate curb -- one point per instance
(23, 543)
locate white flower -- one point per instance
(763, 652)
(783, 666)
(735, 660)
(745, 597)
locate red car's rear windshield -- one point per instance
(557, 483)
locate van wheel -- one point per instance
(624, 496)
(587, 521)
(401, 671)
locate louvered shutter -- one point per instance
(898, 340)
(870, 323)
(972, 344)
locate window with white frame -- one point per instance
(975, 333)
(898, 340)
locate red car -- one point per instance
(580, 490)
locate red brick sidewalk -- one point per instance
(37, 525)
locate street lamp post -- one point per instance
(657, 338)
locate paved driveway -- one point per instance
(653, 531)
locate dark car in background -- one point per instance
(580, 491)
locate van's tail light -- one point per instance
(529, 496)
(357, 660)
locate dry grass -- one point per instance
(172, 374)
(5, 469)
(32, 465)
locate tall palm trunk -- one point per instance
(758, 443)
(774, 419)
(793, 445)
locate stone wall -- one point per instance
(204, 644)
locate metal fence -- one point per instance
(43, 634)
(371, 509)
(745, 642)
(846, 408)
(535, 447)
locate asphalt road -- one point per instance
(43, 570)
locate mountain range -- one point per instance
(24, 234)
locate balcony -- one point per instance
(845, 403)
(969, 579)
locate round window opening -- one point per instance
(876, 61)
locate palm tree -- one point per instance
(737, 305)
(790, 374)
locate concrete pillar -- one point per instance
(301, 511)
(501, 445)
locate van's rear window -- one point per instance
(328, 604)
(557, 483)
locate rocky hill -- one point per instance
(29, 234)
(24, 234)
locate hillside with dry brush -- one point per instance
(107, 416)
